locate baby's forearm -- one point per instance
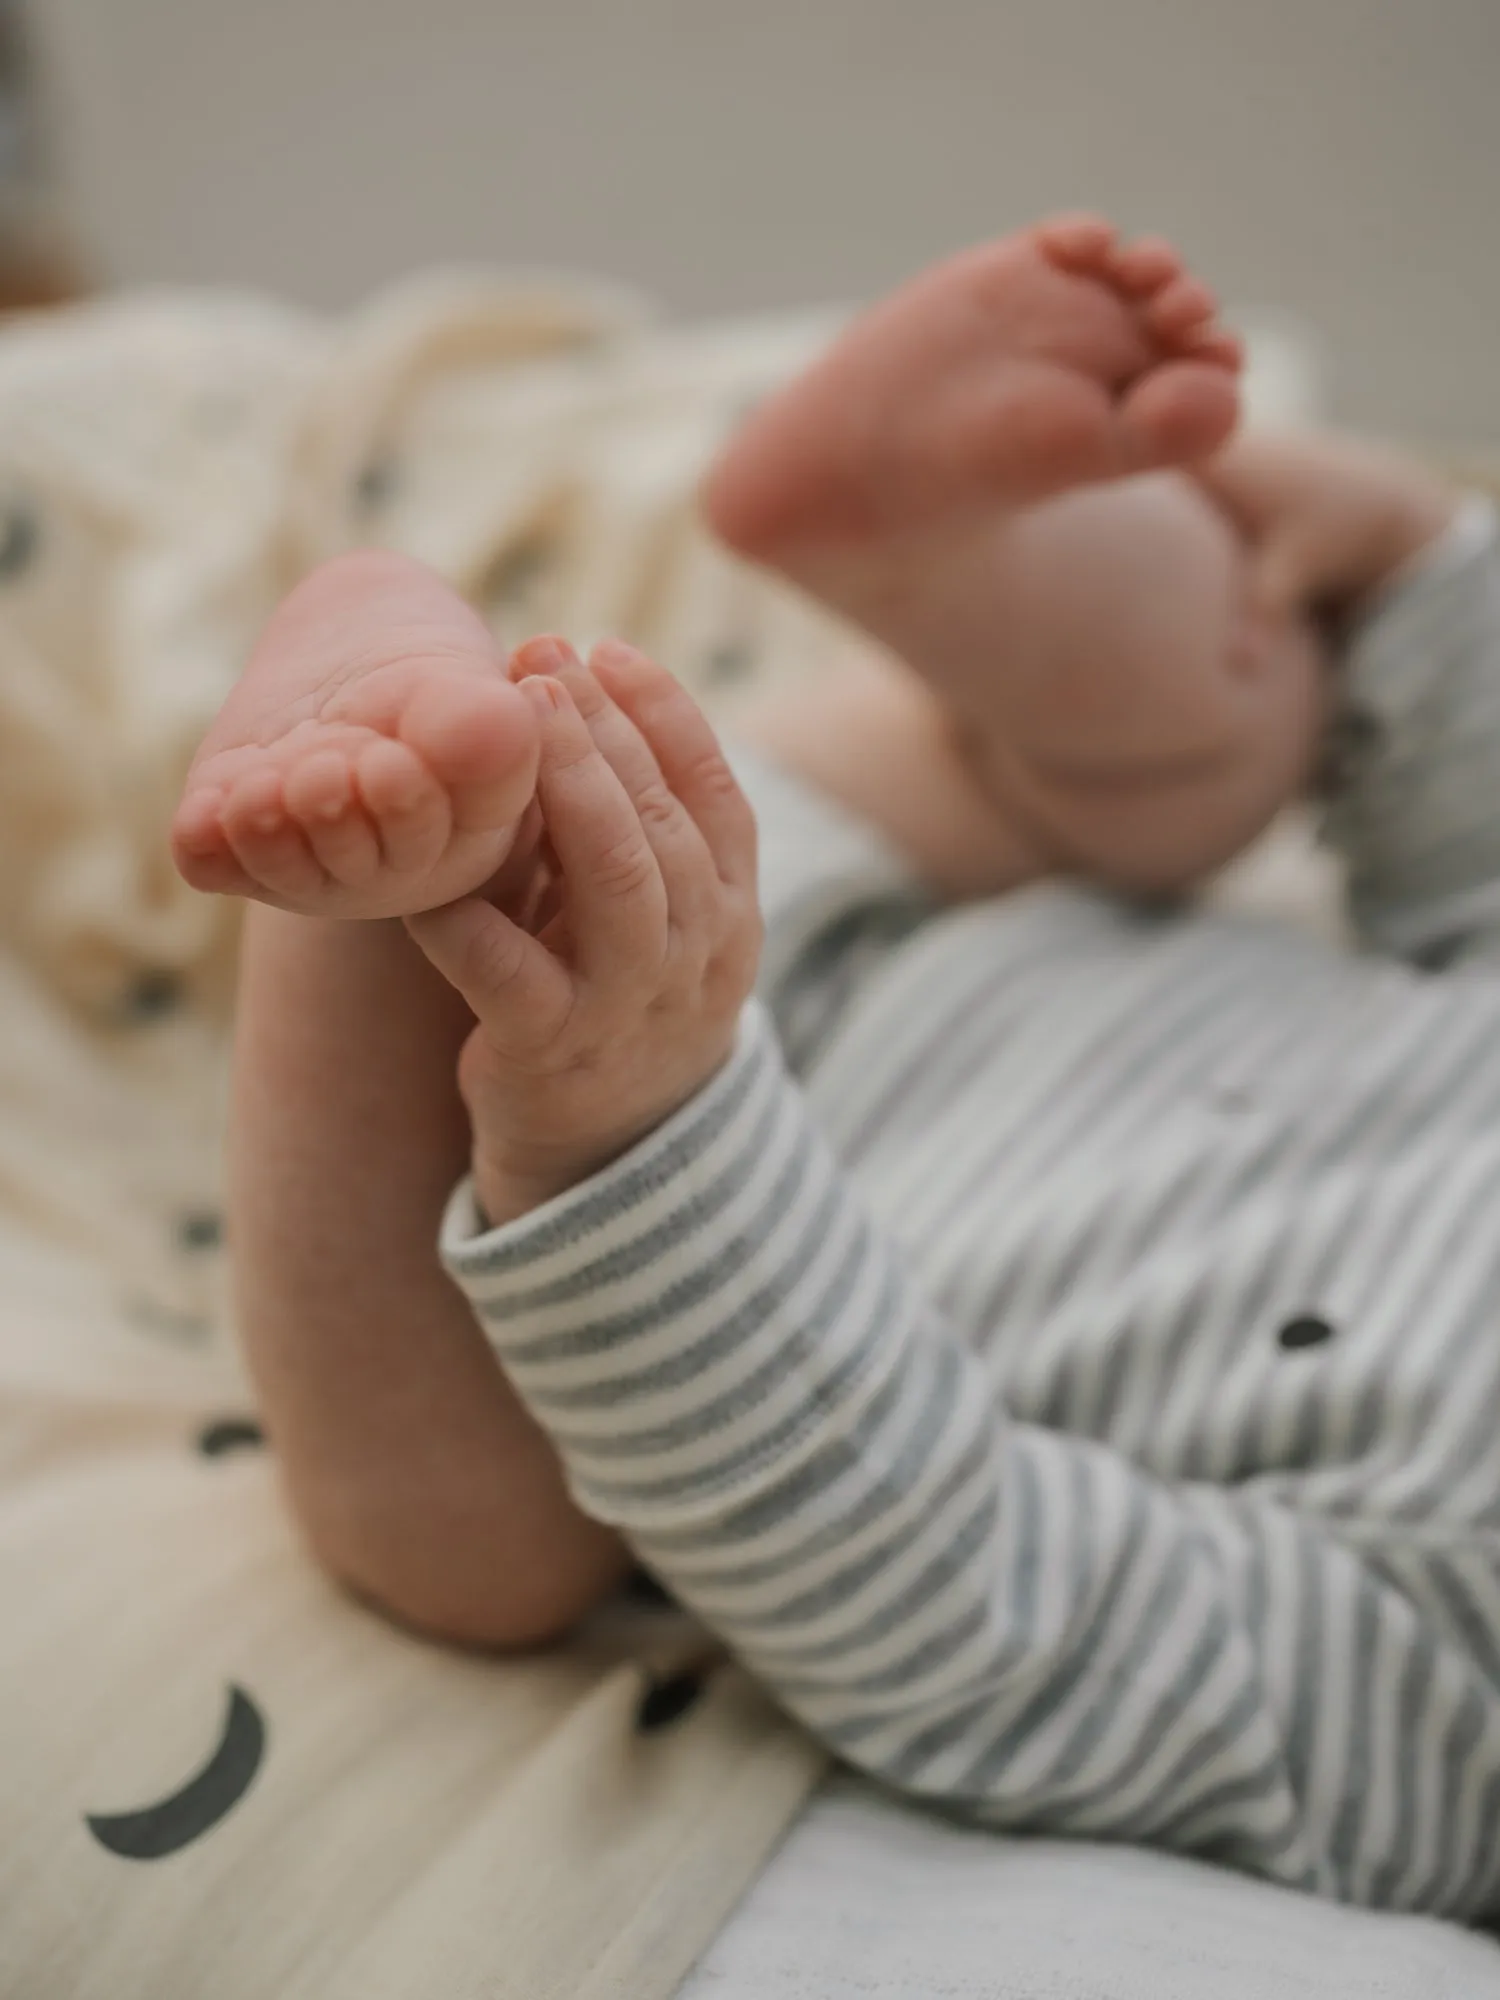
(1329, 520)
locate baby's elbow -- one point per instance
(496, 1618)
(502, 1626)
(467, 1599)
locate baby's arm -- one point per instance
(741, 1375)
(743, 1378)
(1329, 520)
(1411, 576)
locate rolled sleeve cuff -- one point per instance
(559, 1263)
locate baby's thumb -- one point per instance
(508, 979)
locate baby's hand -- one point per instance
(1329, 519)
(625, 1000)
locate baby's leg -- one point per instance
(940, 477)
(418, 1477)
(374, 762)
(1142, 716)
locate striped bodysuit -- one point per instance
(1060, 1352)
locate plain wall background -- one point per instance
(1336, 159)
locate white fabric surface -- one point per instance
(868, 1900)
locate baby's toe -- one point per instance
(1080, 243)
(1180, 309)
(200, 846)
(1145, 266)
(322, 798)
(1217, 344)
(407, 804)
(478, 738)
(217, 874)
(264, 840)
(1182, 411)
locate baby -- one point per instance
(1052, 1333)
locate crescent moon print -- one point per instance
(154, 1831)
(229, 1434)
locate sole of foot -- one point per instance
(374, 760)
(1001, 378)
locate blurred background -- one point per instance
(1335, 161)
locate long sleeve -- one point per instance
(1414, 808)
(741, 1373)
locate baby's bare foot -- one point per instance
(375, 759)
(955, 477)
(1001, 378)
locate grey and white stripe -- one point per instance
(944, 1380)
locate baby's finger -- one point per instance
(514, 985)
(687, 867)
(688, 754)
(620, 743)
(614, 898)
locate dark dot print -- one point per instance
(152, 994)
(227, 1434)
(641, 1587)
(20, 538)
(516, 570)
(667, 1699)
(1439, 956)
(1306, 1330)
(150, 1833)
(1349, 743)
(730, 662)
(375, 485)
(200, 1229)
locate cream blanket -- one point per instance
(220, 1776)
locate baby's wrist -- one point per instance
(515, 1172)
(508, 1185)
